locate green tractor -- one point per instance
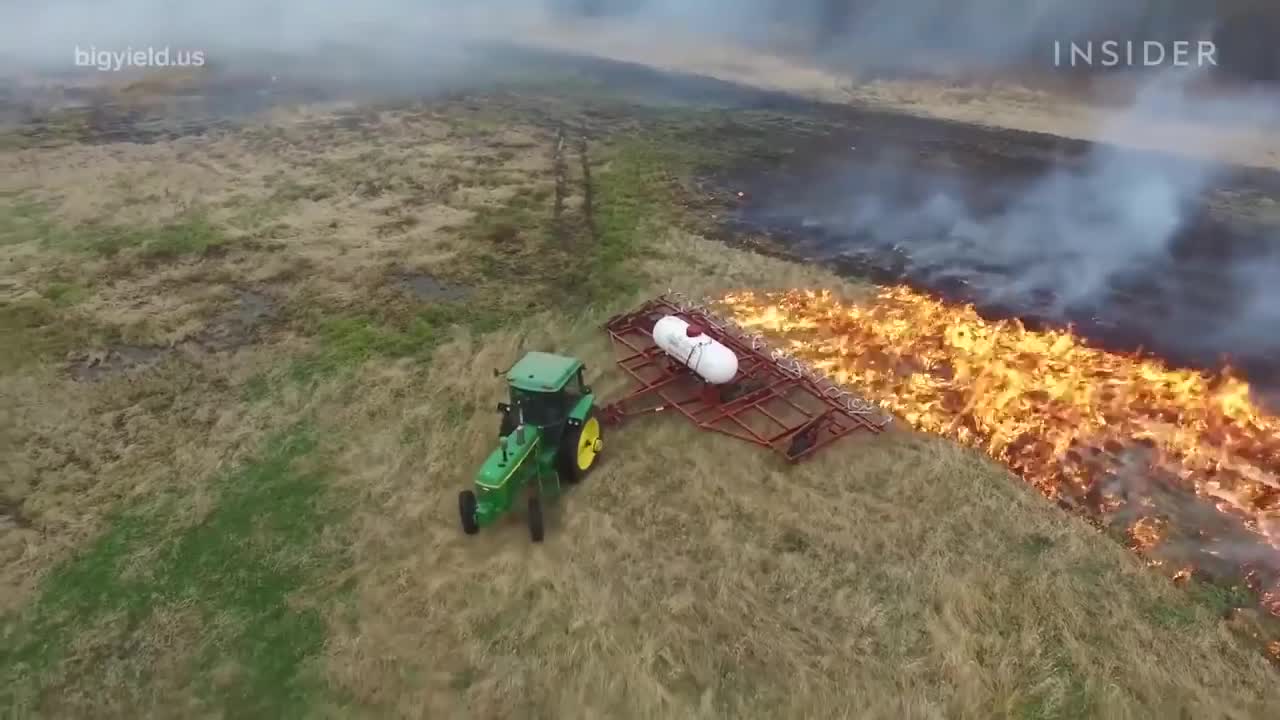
(549, 437)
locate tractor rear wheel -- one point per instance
(536, 530)
(467, 511)
(579, 449)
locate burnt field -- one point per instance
(1035, 227)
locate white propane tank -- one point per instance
(711, 360)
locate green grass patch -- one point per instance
(1203, 603)
(64, 294)
(521, 220)
(192, 235)
(513, 252)
(346, 341)
(291, 191)
(259, 213)
(635, 185)
(1175, 615)
(642, 180)
(23, 220)
(249, 215)
(237, 570)
(56, 130)
(1221, 599)
(37, 330)
(632, 199)
(11, 140)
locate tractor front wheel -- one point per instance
(467, 510)
(536, 530)
(579, 449)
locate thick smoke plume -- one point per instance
(1115, 235)
(888, 33)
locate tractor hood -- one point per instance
(500, 465)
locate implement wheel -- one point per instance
(579, 448)
(467, 511)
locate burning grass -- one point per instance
(1087, 427)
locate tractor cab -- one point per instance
(545, 390)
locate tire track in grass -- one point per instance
(240, 570)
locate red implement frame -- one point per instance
(772, 402)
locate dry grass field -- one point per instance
(1040, 102)
(244, 375)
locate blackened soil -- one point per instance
(1134, 249)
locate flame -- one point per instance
(1067, 417)
(1146, 533)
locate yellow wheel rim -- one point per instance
(589, 444)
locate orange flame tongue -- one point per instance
(1060, 413)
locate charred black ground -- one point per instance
(1174, 304)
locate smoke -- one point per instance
(45, 33)
(887, 33)
(1116, 237)
(1073, 233)
(1064, 238)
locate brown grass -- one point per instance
(690, 576)
(1035, 105)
